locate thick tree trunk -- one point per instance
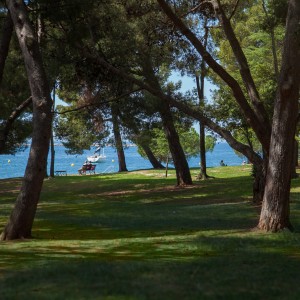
(275, 209)
(118, 140)
(22, 217)
(153, 160)
(6, 34)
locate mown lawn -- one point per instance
(137, 236)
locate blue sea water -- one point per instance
(14, 165)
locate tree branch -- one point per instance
(98, 104)
(244, 149)
(9, 122)
(234, 9)
(261, 128)
(245, 72)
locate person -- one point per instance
(222, 164)
(86, 166)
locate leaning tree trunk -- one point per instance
(275, 209)
(153, 160)
(118, 140)
(183, 174)
(22, 217)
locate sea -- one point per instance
(14, 165)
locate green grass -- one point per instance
(137, 236)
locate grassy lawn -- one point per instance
(137, 236)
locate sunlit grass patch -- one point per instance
(138, 236)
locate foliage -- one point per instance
(78, 132)
(15, 90)
(189, 139)
(256, 42)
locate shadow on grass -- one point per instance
(118, 238)
(207, 268)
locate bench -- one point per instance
(87, 168)
(92, 170)
(61, 173)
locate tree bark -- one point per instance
(258, 188)
(153, 160)
(275, 209)
(200, 90)
(183, 174)
(52, 149)
(6, 34)
(118, 140)
(21, 219)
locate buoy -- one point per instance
(8, 161)
(72, 165)
(113, 160)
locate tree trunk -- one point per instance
(6, 34)
(295, 160)
(275, 209)
(252, 156)
(22, 217)
(183, 174)
(200, 91)
(118, 140)
(258, 188)
(167, 166)
(153, 160)
(52, 149)
(296, 153)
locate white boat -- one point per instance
(97, 158)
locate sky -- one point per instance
(188, 83)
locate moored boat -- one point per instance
(97, 158)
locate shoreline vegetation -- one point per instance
(135, 235)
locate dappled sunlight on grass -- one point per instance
(138, 236)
